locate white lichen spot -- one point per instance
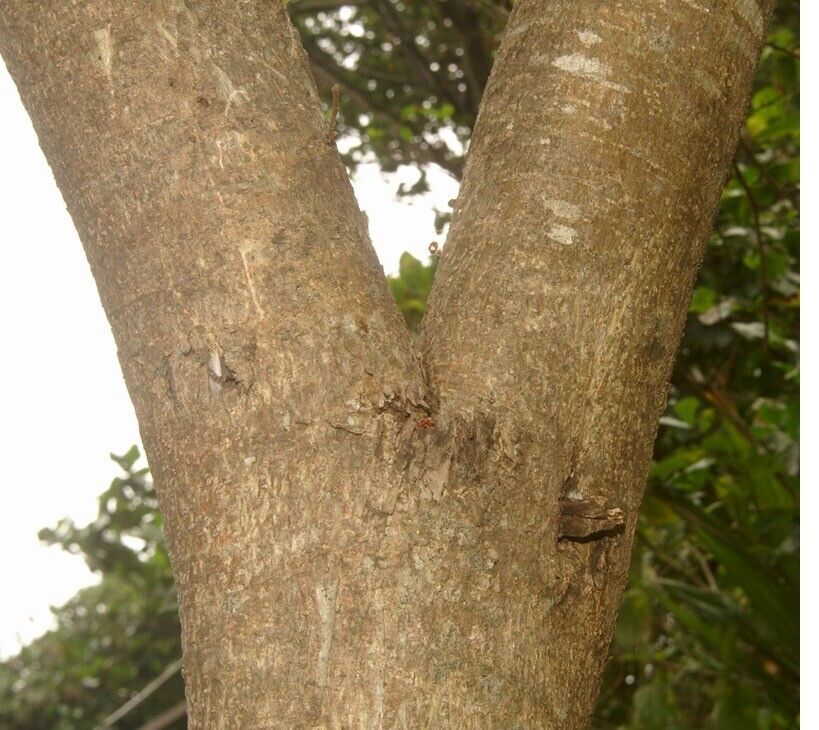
(568, 109)
(326, 603)
(492, 557)
(103, 55)
(254, 297)
(229, 93)
(545, 140)
(587, 67)
(580, 65)
(215, 373)
(249, 460)
(517, 29)
(588, 37)
(378, 704)
(168, 36)
(709, 82)
(696, 6)
(229, 142)
(562, 234)
(752, 14)
(562, 209)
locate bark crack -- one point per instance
(585, 519)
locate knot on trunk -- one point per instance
(587, 518)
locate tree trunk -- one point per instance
(363, 536)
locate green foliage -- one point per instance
(112, 638)
(411, 287)
(412, 73)
(708, 631)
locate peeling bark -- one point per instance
(364, 536)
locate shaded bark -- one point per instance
(599, 155)
(361, 536)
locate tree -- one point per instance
(112, 639)
(360, 534)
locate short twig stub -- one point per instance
(332, 132)
(587, 519)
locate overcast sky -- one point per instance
(65, 406)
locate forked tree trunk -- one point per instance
(363, 536)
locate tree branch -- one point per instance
(413, 54)
(331, 74)
(497, 11)
(170, 716)
(788, 192)
(760, 244)
(306, 7)
(476, 63)
(257, 324)
(782, 49)
(565, 281)
(141, 696)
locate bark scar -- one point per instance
(585, 519)
(326, 602)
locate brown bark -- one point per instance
(362, 537)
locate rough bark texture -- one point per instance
(362, 537)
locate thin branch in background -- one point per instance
(661, 556)
(789, 192)
(324, 68)
(167, 718)
(706, 569)
(781, 49)
(763, 272)
(712, 393)
(413, 54)
(476, 63)
(770, 102)
(377, 73)
(141, 696)
(301, 7)
(499, 12)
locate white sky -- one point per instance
(64, 405)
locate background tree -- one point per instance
(112, 639)
(706, 556)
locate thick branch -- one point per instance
(258, 339)
(592, 179)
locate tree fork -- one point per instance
(363, 536)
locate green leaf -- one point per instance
(634, 621)
(654, 706)
(128, 459)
